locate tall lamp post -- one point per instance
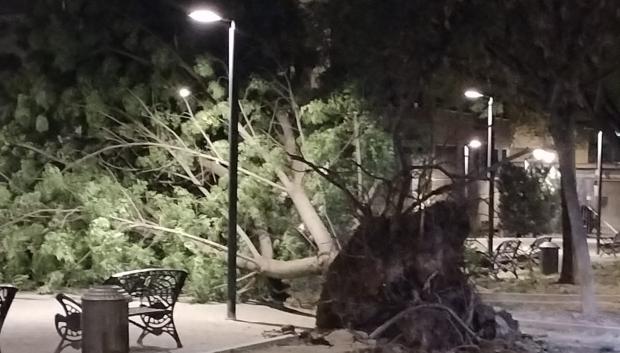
(207, 16)
(599, 188)
(473, 94)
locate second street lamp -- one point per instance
(207, 16)
(473, 144)
(473, 94)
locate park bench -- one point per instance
(156, 292)
(506, 258)
(7, 294)
(611, 245)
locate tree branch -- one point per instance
(328, 175)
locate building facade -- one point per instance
(453, 131)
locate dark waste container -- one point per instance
(549, 255)
(105, 322)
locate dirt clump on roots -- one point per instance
(400, 280)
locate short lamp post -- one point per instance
(473, 144)
(473, 94)
(207, 16)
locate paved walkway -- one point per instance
(29, 327)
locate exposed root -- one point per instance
(381, 329)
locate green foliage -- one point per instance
(331, 142)
(207, 276)
(529, 200)
(76, 171)
(63, 233)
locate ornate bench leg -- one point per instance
(77, 345)
(173, 332)
(157, 326)
(142, 335)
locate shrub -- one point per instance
(529, 200)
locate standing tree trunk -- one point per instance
(567, 275)
(563, 131)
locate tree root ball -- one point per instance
(406, 261)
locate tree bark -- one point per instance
(311, 219)
(563, 131)
(293, 185)
(283, 269)
(327, 249)
(265, 244)
(567, 274)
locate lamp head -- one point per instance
(473, 94)
(544, 156)
(205, 16)
(184, 92)
(475, 143)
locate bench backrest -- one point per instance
(7, 294)
(536, 244)
(508, 247)
(159, 288)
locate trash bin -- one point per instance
(549, 255)
(105, 322)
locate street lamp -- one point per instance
(474, 94)
(208, 16)
(599, 187)
(184, 92)
(544, 156)
(205, 16)
(473, 144)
